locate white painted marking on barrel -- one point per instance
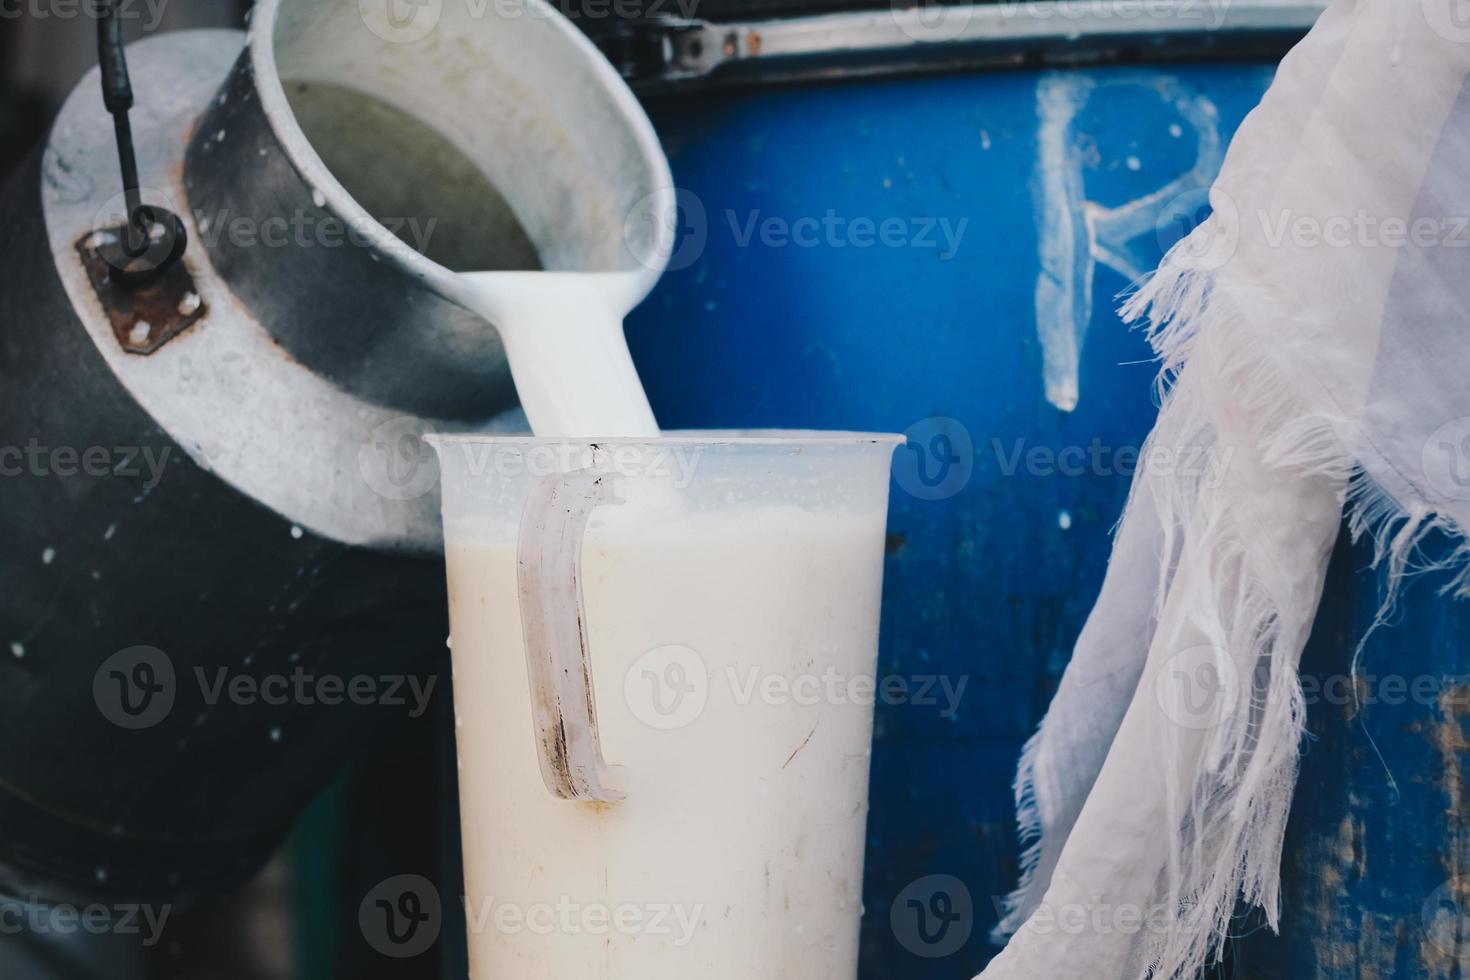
(1074, 233)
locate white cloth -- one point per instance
(1315, 340)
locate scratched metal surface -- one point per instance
(1000, 520)
(1377, 866)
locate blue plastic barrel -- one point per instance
(925, 255)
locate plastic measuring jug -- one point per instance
(664, 655)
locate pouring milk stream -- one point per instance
(563, 337)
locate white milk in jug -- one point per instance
(733, 656)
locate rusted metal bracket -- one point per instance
(143, 317)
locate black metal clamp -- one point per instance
(152, 238)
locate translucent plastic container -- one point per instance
(664, 656)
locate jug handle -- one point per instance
(554, 626)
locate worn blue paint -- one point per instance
(986, 584)
(1377, 866)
